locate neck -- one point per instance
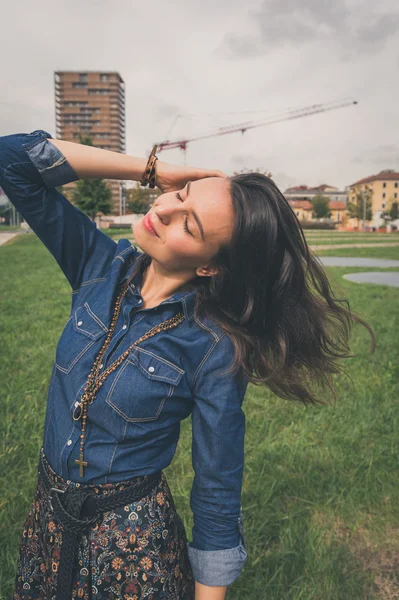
(157, 287)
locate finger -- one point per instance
(214, 173)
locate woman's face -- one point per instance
(184, 243)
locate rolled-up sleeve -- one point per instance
(218, 550)
(31, 168)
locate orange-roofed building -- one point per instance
(385, 186)
(302, 208)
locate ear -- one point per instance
(206, 271)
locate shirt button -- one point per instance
(151, 369)
(69, 442)
(124, 327)
(80, 323)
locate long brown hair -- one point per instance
(272, 296)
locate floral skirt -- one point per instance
(136, 551)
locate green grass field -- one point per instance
(321, 484)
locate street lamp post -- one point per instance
(364, 211)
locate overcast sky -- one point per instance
(217, 63)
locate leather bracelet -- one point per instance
(152, 181)
(149, 172)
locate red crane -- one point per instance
(243, 127)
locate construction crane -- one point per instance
(243, 127)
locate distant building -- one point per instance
(92, 103)
(385, 186)
(303, 192)
(304, 208)
(338, 211)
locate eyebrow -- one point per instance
(195, 214)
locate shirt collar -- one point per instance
(186, 298)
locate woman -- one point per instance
(225, 268)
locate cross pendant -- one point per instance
(82, 463)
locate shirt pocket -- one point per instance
(81, 332)
(143, 385)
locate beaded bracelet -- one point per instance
(149, 172)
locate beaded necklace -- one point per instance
(95, 381)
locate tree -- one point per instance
(361, 209)
(140, 199)
(92, 195)
(394, 211)
(321, 207)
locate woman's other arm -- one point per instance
(217, 553)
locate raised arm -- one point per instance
(89, 162)
(33, 165)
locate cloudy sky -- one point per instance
(218, 63)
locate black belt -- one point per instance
(77, 510)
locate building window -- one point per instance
(79, 84)
(95, 91)
(384, 185)
(383, 205)
(103, 77)
(383, 195)
(396, 184)
(395, 195)
(74, 103)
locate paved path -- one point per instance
(390, 278)
(337, 246)
(348, 261)
(6, 237)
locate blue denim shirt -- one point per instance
(134, 423)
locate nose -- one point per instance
(165, 213)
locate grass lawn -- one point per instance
(337, 242)
(391, 252)
(9, 228)
(321, 484)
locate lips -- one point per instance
(149, 225)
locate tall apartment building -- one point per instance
(92, 103)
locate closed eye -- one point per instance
(186, 221)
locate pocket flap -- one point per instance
(87, 323)
(154, 367)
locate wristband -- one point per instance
(149, 172)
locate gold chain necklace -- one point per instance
(94, 381)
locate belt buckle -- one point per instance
(53, 489)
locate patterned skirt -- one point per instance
(134, 552)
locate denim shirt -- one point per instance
(134, 422)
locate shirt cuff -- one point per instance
(217, 567)
(49, 160)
